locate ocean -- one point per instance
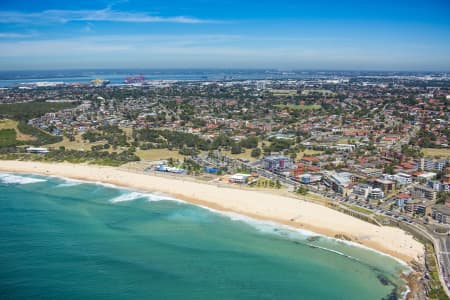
(66, 239)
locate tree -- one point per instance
(293, 156)
(256, 153)
(236, 149)
(442, 197)
(301, 190)
(278, 184)
(389, 169)
(250, 142)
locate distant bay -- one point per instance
(14, 78)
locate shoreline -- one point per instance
(229, 214)
(239, 216)
(258, 205)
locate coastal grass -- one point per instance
(8, 124)
(103, 158)
(267, 183)
(28, 135)
(30, 110)
(158, 154)
(436, 152)
(385, 221)
(12, 124)
(313, 197)
(8, 137)
(358, 209)
(41, 137)
(78, 144)
(298, 106)
(246, 154)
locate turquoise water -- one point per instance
(63, 239)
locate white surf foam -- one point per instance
(333, 251)
(267, 226)
(16, 179)
(157, 196)
(131, 196)
(108, 185)
(128, 197)
(70, 182)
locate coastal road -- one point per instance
(445, 257)
(441, 246)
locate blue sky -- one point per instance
(283, 34)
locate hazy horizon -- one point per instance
(223, 69)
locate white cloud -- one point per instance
(63, 16)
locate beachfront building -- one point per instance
(239, 178)
(376, 194)
(164, 168)
(277, 163)
(411, 205)
(441, 214)
(362, 190)
(368, 192)
(339, 182)
(387, 186)
(211, 170)
(421, 191)
(309, 178)
(37, 150)
(401, 199)
(424, 208)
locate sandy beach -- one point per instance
(256, 204)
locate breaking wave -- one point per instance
(131, 196)
(267, 226)
(69, 183)
(17, 179)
